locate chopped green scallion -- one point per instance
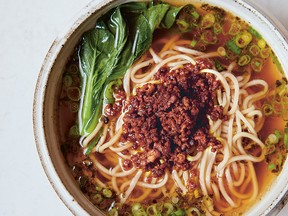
(271, 139)
(193, 211)
(265, 52)
(219, 68)
(195, 15)
(243, 39)
(233, 47)
(98, 188)
(175, 199)
(138, 210)
(152, 210)
(74, 93)
(271, 166)
(217, 28)
(254, 50)
(257, 64)
(208, 203)
(193, 43)
(73, 68)
(107, 193)
(208, 21)
(234, 29)
(262, 43)
(167, 209)
(254, 32)
(270, 148)
(97, 198)
(221, 51)
(67, 81)
(278, 134)
(179, 212)
(244, 60)
(280, 159)
(113, 212)
(285, 139)
(74, 131)
(74, 107)
(208, 37)
(267, 109)
(182, 25)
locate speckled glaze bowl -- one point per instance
(49, 82)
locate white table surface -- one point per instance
(27, 30)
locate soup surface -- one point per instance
(173, 110)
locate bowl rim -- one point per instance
(38, 103)
(41, 87)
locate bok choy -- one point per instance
(120, 37)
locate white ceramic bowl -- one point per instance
(49, 82)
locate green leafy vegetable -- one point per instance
(170, 17)
(93, 144)
(134, 7)
(107, 51)
(90, 71)
(108, 92)
(99, 52)
(155, 15)
(141, 35)
(125, 61)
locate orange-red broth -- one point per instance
(80, 165)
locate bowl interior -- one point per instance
(49, 83)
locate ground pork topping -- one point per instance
(168, 121)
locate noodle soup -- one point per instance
(173, 111)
